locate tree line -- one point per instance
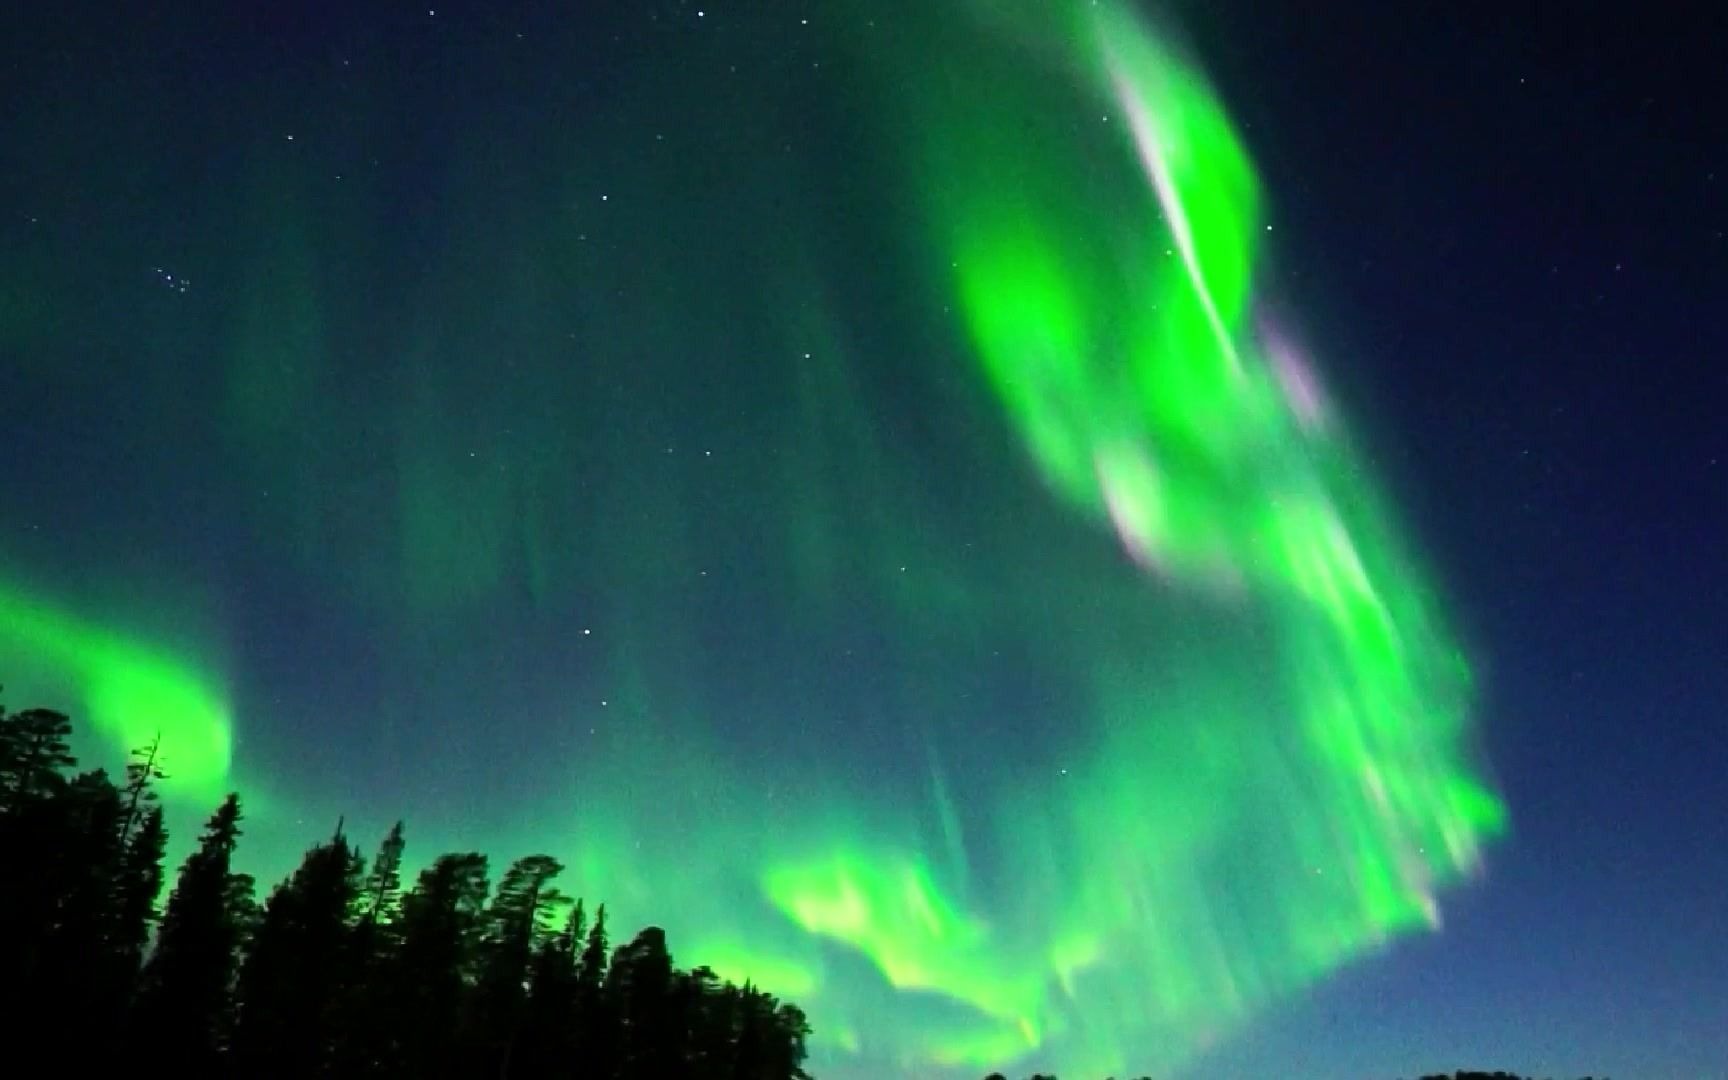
(342, 970)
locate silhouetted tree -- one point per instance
(136, 888)
(35, 751)
(382, 895)
(771, 1036)
(81, 886)
(596, 1018)
(142, 775)
(65, 974)
(185, 1006)
(517, 922)
(299, 966)
(441, 927)
(704, 1000)
(547, 1037)
(365, 1042)
(38, 827)
(639, 983)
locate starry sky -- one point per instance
(1056, 535)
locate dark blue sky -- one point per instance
(1516, 216)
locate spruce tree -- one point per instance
(365, 1044)
(184, 1007)
(298, 967)
(596, 1018)
(381, 898)
(591, 973)
(136, 889)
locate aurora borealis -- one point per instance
(850, 484)
(130, 693)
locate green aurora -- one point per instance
(129, 691)
(976, 626)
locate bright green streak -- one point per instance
(130, 691)
(1256, 828)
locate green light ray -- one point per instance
(1122, 341)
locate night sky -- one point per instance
(1054, 535)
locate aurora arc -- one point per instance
(919, 573)
(131, 692)
(1154, 395)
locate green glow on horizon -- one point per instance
(130, 691)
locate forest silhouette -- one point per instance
(342, 970)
